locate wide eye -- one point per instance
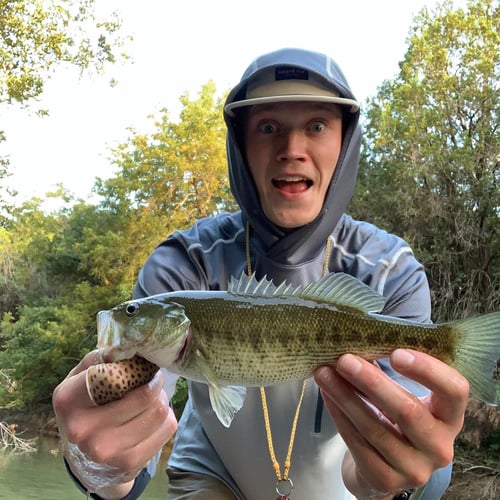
(317, 126)
(267, 127)
(132, 309)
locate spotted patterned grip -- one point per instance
(108, 382)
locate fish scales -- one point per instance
(257, 334)
(266, 344)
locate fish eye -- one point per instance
(132, 309)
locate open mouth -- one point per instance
(292, 183)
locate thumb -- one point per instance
(72, 392)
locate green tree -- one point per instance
(170, 178)
(9, 287)
(430, 168)
(39, 348)
(59, 269)
(54, 281)
(26, 235)
(36, 36)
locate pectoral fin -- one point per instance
(226, 401)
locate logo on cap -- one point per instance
(290, 73)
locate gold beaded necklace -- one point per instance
(284, 485)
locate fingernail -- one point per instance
(349, 364)
(403, 358)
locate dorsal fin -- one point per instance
(338, 289)
(344, 290)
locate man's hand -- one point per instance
(122, 436)
(395, 440)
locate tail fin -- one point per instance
(478, 352)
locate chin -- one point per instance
(290, 217)
(291, 223)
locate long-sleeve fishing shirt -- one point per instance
(205, 257)
(208, 254)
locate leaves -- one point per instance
(174, 176)
(59, 269)
(430, 173)
(37, 35)
(431, 154)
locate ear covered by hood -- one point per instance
(304, 243)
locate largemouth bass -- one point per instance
(258, 334)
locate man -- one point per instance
(365, 430)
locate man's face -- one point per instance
(292, 151)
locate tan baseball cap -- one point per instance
(288, 83)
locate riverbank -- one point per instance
(476, 474)
(32, 424)
(472, 479)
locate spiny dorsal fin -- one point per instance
(338, 289)
(249, 286)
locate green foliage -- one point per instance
(488, 455)
(4, 173)
(167, 180)
(180, 396)
(429, 172)
(37, 349)
(37, 35)
(179, 170)
(25, 239)
(494, 446)
(59, 269)
(430, 168)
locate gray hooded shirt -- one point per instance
(205, 257)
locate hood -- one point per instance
(302, 244)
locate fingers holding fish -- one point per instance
(71, 395)
(130, 445)
(121, 436)
(380, 460)
(395, 439)
(135, 403)
(78, 414)
(449, 389)
(426, 431)
(444, 407)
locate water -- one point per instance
(42, 476)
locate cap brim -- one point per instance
(229, 108)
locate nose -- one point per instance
(292, 146)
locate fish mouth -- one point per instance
(292, 183)
(104, 329)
